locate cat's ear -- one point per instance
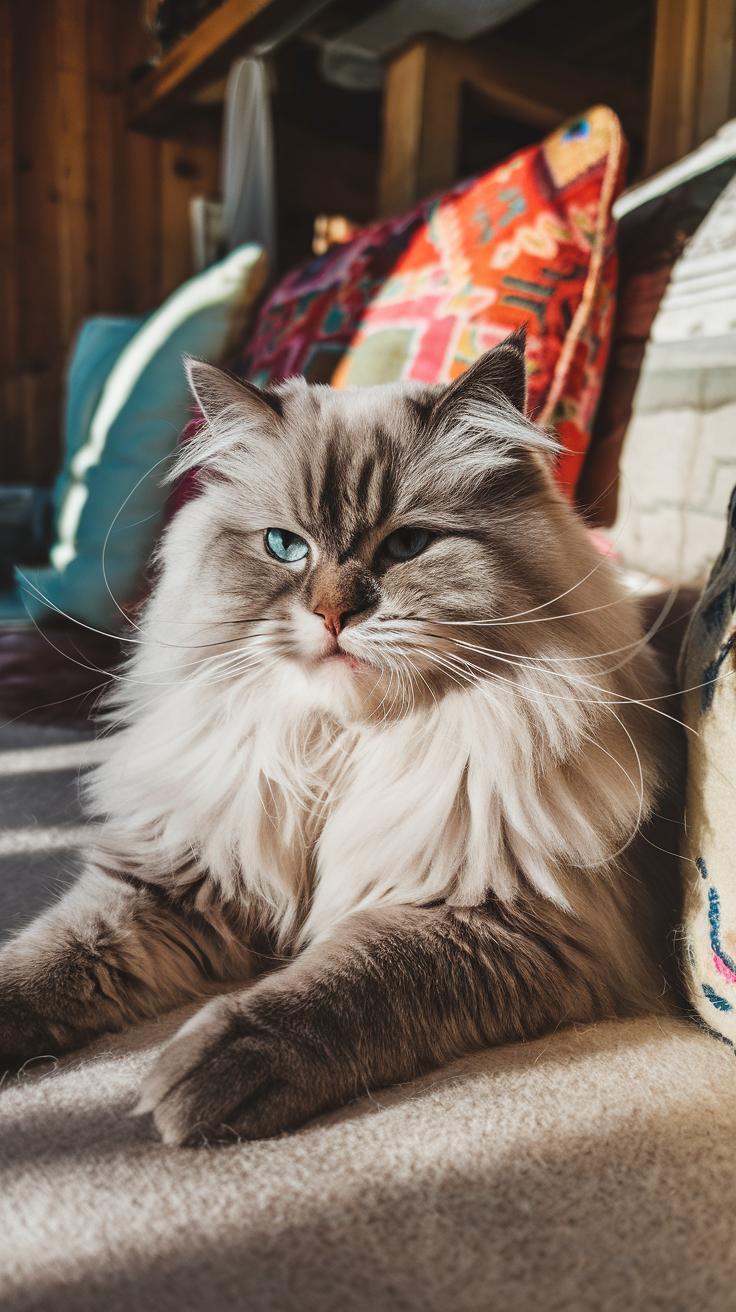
(500, 372)
(481, 414)
(222, 397)
(234, 410)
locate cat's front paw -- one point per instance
(23, 1033)
(228, 1075)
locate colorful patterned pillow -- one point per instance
(422, 295)
(708, 672)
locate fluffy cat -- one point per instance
(391, 726)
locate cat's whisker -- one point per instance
(401, 695)
(211, 665)
(34, 591)
(554, 697)
(518, 661)
(428, 686)
(410, 684)
(384, 703)
(83, 665)
(451, 666)
(638, 789)
(168, 458)
(568, 659)
(243, 660)
(222, 671)
(521, 664)
(382, 708)
(59, 701)
(517, 617)
(52, 606)
(403, 652)
(480, 672)
(476, 679)
(612, 698)
(605, 702)
(200, 665)
(639, 644)
(116, 716)
(407, 691)
(512, 622)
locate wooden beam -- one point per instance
(693, 81)
(421, 126)
(540, 88)
(203, 56)
(674, 82)
(423, 104)
(718, 76)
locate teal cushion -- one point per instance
(112, 499)
(97, 348)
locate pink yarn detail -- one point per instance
(723, 969)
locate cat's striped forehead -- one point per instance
(354, 457)
(339, 464)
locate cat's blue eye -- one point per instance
(286, 546)
(406, 543)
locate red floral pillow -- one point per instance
(422, 295)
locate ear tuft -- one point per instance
(483, 410)
(501, 370)
(220, 394)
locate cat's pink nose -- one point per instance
(334, 620)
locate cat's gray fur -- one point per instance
(397, 857)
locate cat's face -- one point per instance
(360, 534)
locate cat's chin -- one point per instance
(343, 659)
(347, 686)
(341, 673)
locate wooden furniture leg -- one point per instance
(693, 83)
(421, 126)
(422, 105)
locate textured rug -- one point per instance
(588, 1171)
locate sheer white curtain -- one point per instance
(248, 175)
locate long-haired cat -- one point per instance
(388, 737)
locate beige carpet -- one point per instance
(590, 1172)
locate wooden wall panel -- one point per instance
(93, 217)
(10, 352)
(693, 82)
(71, 151)
(140, 198)
(9, 328)
(36, 253)
(186, 171)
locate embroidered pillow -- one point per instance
(708, 672)
(421, 296)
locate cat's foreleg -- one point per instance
(116, 948)
(389, 995)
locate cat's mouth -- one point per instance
(334, 654)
